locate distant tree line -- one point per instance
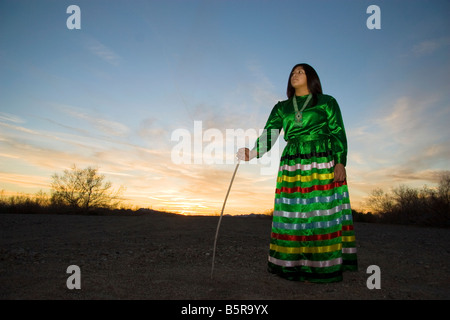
(86, 191)
(406, 205)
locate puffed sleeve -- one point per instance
(337, 132)
(270, 133)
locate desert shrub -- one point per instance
(364, 217)
(74, 191)
(83, 189)
(406, 205)
(24, 203)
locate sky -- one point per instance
(160, 95)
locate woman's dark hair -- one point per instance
(313, 81)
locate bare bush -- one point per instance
(84, 189)
(379, 201)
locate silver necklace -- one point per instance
(299, 113)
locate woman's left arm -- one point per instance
(338, 139)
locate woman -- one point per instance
(312, 235)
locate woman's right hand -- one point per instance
(246, 154)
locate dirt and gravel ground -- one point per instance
(167, 257)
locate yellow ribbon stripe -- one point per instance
(348, 239)
(314, 176)
(294, 250)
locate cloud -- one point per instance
(103, 52)
(135, 167)
(262, 90)
(10, 118)
(32, 153)
(406, 142)
(153, 132)
(416, 122)
(428, 47)
(106, 126)
(24, 181)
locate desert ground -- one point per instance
(162, 256)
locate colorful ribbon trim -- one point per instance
(298, 250)
(307, 167)
(314, 213)
(312, 225)
(306, 201)
(310, 189)
(299, 177)
(305, 263)
(315, 237)
(304, 156)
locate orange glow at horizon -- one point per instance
(207, 201)
(186, 207)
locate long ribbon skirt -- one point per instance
(312, 235)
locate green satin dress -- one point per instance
(312, 235)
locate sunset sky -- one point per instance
(141, 79)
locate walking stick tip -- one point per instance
(220, 219)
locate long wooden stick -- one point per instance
(220, 219)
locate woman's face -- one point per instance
(298, 78)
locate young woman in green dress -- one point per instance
(312, 236)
